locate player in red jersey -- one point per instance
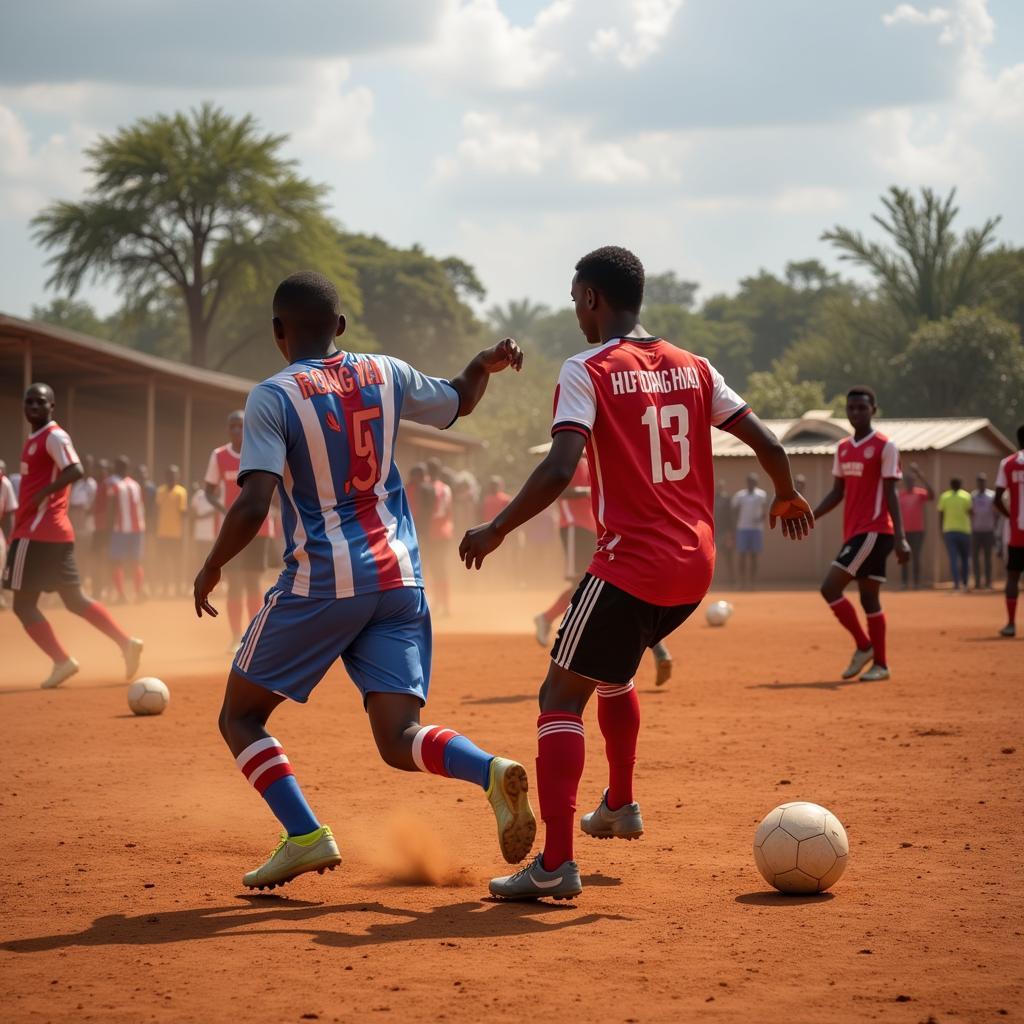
(866, 469)
(127, 529)
(244, 574)
(578, 531)
(643, 409)
(1010, 484)
(42, 551)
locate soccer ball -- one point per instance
(148, 696)
(801, 847)
(718, 613)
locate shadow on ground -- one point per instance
(254, 916)
(781, 899)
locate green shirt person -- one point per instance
(955, 523)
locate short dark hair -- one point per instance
(1020, 436)
(308, 297)
(865, 391)
(956, 483)
(617, 274)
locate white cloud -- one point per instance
(908, 14)
(338, 124)
(646, 23)
(492, 147)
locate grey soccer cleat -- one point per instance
(604, 823)
(662, 664)
(61, 672)
(875, 674)
(1009, 629)
(534, 883)
(857, 662)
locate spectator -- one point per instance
(916, 493)
(750, 504)
(725, 529)
(442, 532)
(204, 519)
(99, 563)
(495, 499)
(148, 494)
(171, 510)
(983, 532)
(128, 528)
(466, 502)
(955, 523)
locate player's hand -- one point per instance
(207, 579)
(34, 500)
(903, 551)
(478, 544)
(793, 514)
(505, 354)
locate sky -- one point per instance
(712, 137)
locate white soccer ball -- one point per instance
(148, 696)
(801, 847)
(718, 613)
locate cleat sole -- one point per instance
(304, 870)
(516, 839)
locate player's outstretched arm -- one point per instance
(545, 484)
(241, 523)
(472, 382)
(789, 508)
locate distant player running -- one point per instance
(866, 469)
(643, 409)
(1010, 484)
(322, 433)
(41, 557)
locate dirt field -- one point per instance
(125, 839)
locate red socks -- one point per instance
(98, 616)
(254, 603)
(558, 608)
(876, 627)
(1011, 610)
(45, 638)
(618, 714)
(847, 616)
(235, 617)
(560, 757)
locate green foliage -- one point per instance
(74, 315)
(187, 201)
(667, 289)
(969, 364)
(1004, 292)
(927, 271)
(778, 393)
(557, 335)
(727, 344)
(517, 319)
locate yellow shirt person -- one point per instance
(171, 504)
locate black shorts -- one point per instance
(1014, 559)
(579, 545)
(35, 566)
(863, 556)
(606, 631)
(252, 558)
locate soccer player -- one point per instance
(865, 469)
(42, 551)
(8, 506)
(244, 576)
(1010, 484)
(441, 534)
(322, 433)
(578, 532)
(126, 504)
(643, 409)
(916, 493)
(172, 509)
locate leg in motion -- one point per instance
(832, 591)
(99, 618)
(26, 608)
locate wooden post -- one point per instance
(151, 427)
(187, 544)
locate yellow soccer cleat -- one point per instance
(507, 794)
(294, 856)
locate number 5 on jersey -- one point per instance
(363, 448)
(668, 417)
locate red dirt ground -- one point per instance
(125, 838)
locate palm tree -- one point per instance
(518, 318)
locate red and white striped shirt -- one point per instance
(222, 473)
(864, 465)
(47, 452)
(1011, 479)
(126, 506)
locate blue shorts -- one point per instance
(384, 639)
(126, 547)
(750, 542)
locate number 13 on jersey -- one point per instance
(675, 418)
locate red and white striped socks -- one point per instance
(428, 747)
(266, 766)
(263, 763)
(618, 715)
(561, 752)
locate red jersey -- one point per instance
(912, 505)
(125, 505)
(1011, 478)
(494, 503)
(222, 472)
(46, 453)
(578, 511)
(863, 465)
(646, 408)
(442, 522)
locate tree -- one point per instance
(927, 270)
(187, 201)
(970, 364)
(727, 344)
(667, 289)
(518, 319)
(779, 393)
(73, 314)
(463, 279)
